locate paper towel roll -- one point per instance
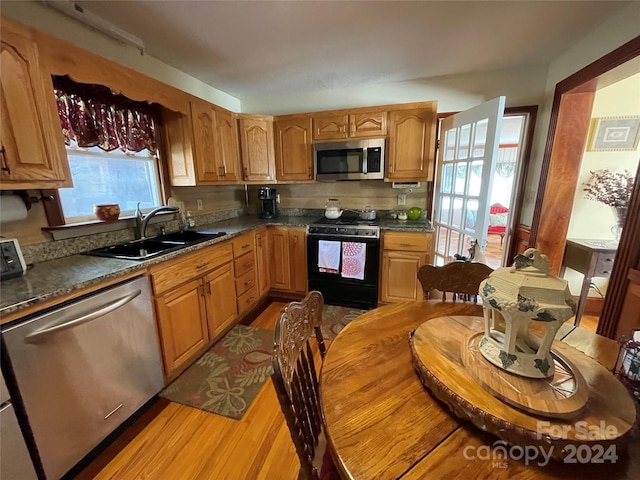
(12, 209)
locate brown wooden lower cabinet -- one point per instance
(220, 295)
(403, 253)
(182, 318)
(262, 261)
(279, 261)
(288, 247)
(195, 298)
(298, 259)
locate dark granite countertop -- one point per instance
(54, 278)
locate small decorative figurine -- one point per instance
(513, 298)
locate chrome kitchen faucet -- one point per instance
(143, 220)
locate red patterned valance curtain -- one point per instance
(92, 116)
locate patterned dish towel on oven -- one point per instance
(353, 259)
(328, 256)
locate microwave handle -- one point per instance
(365, 153)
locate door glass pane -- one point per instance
(461, 174)
(480, 138)
(456, 221)
(454, 243)
(465, 136)
(450, 144)
(441, 240)
(444, 209)
(447, 178)
(475, 178)
(471, 214)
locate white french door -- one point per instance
(469, 143)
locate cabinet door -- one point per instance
(227, 141)
(220, 295)
(399, 278)
(262, 261)
(204, 128)
(298, 259)
(368, 125)
(294, 148)
(257, 149)
(32, 151)
(330, 127)
(183, 324)
(178, 137)
(279, 246)
(411, 144)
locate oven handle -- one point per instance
(99, 312)
(339, 238)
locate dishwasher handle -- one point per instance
(99, 312)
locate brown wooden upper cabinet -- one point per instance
(32, 153)
(341, 126)
(257, 148)
(411, 144)
(294, 160)
(215, 144)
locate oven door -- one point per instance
(338, 290)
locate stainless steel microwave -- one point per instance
(349, 160)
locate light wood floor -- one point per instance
(173, 441)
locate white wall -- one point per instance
(613, 33)
(59, 25)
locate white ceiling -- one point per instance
(252, 49)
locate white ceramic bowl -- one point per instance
(332, 213)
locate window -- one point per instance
(111, 148)
(109, 177)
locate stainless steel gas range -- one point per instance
(343, 261)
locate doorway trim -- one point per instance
(577, 89)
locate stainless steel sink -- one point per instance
(152, 247)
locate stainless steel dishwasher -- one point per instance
(84, 368)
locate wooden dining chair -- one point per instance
(461, 279)
(295, 380)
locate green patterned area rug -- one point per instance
(335, 318)
(227, 378)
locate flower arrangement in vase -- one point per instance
(613, 189)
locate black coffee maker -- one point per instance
(268, 202)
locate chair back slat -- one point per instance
(294, 375)
(461, 279)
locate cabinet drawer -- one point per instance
(245, 282)
(247, 299)
(242, 244)
(413, 242)
(604, 264)
(244, 263)
(182, 269)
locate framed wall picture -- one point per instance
(609, 134)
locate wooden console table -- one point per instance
(592, 258)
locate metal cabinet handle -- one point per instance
(99, 312)
(5, 165)
(202, 265)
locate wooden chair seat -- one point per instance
(296, 382)
(461, 279)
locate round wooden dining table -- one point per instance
(381, 423)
